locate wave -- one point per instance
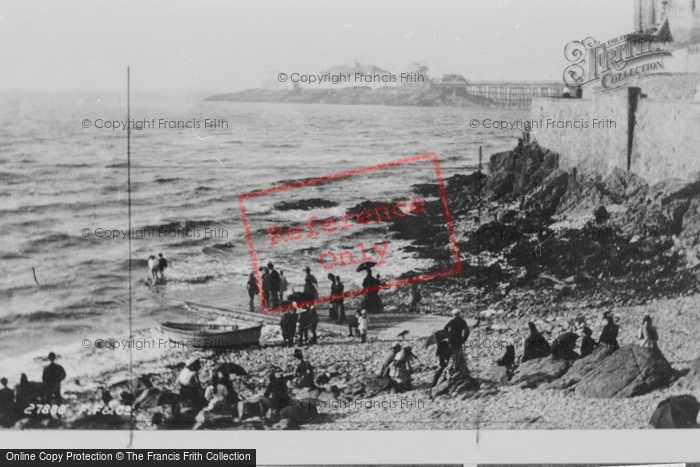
(183, 225)
(166, 180)
(44, 316)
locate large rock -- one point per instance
(583, 366)
(300, 410)
(628, 372)
(691, 381)
(532, 373)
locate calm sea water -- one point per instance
(59, 178)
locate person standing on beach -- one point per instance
(253, 289)
(283, 285)
(363, 326)
(7, 405)
(457, 331)
(52, 377)
(310, 284)
(333, 309)
(274, 285)
(265, 284)
(339, 301)
(416, 297)
(304, 326)
(372, 301)
(313, 317)
(162, 266)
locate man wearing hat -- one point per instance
(275, 281)
(310, 284)
(457, 331)
(265, 277)
(388, 358)
(52, 377)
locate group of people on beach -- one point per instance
(157, 266)
(274, 285)
(535, 345)
(14, 404)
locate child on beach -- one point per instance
(363, 325)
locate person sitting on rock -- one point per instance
(587, 342)
(276, 395)
(608, 336)
(190, 386)
(508, 358)
(304, 373)
(647, 334)
(388, 358)
(401, 369)
(564, 345)
(535, 345)
(215, 389)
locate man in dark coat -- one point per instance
(276, 395)
(52, 377)
(535, 345)
(275, 281)
(304, 326)
(457, 331)
(7, 405)
(290, 325)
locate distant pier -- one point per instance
(506, 94)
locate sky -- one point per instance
(226, 46)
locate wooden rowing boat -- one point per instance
(213, 336)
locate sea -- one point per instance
(64, 190)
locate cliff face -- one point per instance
(358, 96)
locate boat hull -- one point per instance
(220, 337)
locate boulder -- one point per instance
(628, 372)
(583, 366)
(532, 373)
(691, 381)
(300, 410)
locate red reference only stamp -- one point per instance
(330, 224)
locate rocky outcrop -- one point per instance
(691, 381)
(362, 95)
(628, 372)
(583, 366)
(535, 372)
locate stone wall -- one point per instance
(666, 141)
(591, 149)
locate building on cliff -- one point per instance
(640, 109)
